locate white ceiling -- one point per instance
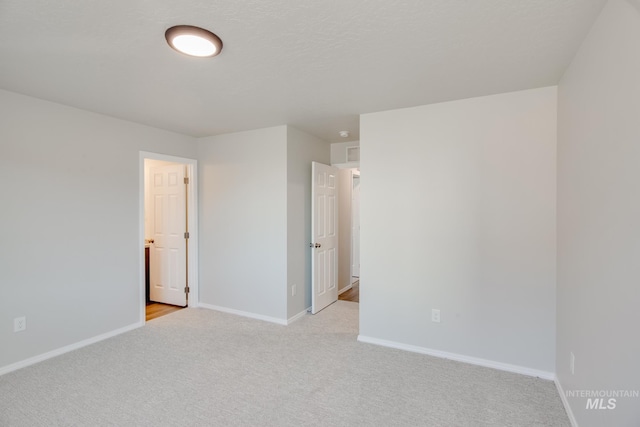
(313, 64)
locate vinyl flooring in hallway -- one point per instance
(352, 294)
(156, 309)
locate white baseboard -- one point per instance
(298, 316)
(565, 402)
(244, 313)
(460, 358)
(66, 349)
(345, 289)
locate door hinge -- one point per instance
(186, 234)
(186, 179)
(186, 289)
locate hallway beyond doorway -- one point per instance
(155, 309)
(352, 294)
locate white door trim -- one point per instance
(192, 168)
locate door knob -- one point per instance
(314, 245)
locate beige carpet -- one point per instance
(198, 367)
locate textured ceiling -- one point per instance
(315, 65)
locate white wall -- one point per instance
(243, 221)
(599, 216)
(302, 149)
(339, 151)
(458, 213)
(69, 222)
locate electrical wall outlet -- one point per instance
(294, 290)
(435, 315)
(19, 324)
(572, 363)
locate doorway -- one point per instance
(355, 226)
(168, 219)
(350, 217)
(353, 293)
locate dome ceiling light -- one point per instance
(193, 41)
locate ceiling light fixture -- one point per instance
(344, 133)
(193, 41)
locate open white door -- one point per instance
(324, 223)
(168, 252)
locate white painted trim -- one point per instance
(298, 316)
(345, 289)
(62, 350)
(244, 313)
(192, 165)
(565, 402)
(460, 358)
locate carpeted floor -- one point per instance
(197, 367)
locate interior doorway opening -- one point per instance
(355, 226)
(168, 232)
(350, 239)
